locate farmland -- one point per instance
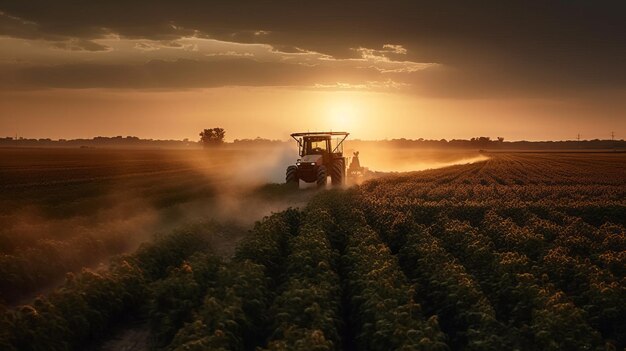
(520, 251)
(64, 209)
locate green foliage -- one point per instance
(383, 309)
(464, 311)
(268, 242)
(88, 303)
(43, 262)
(174, 297)
(307, 312)
(232, 314)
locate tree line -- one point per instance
(216, 136)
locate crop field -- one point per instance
(64, 209)
(522, 251)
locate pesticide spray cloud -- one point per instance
(117, 199)
(392, 160)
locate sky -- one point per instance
(531, 70)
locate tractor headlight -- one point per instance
(297, 163)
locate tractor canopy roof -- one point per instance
(309, 137)
(327, 135)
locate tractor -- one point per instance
(320, 156)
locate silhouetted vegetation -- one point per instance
(486, 143)
(215, 136)
(99, 141)
(212, 137)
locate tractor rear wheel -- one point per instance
(338, 173)
(321, 176)
(291, 176)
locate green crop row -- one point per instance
(232, 314)
(88, 303)
(306, 315)
(234, 311)
(464, 311)
(384, 312)
(173, 298)
(521, 298)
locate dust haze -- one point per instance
(63, 210)
(403, 159)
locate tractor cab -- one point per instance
(319, 144)
(315, 145)
(321, 154)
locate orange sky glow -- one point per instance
(276, 112)
(409, 69)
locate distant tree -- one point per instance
(212, 137)
(500, 139)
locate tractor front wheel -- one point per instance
(291, 176)
(321, 176)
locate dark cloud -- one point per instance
(158, 74)
(492, 80)
(20, 28)
(79, 45)
(517, 47)
(436, 81)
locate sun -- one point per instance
(342, 115)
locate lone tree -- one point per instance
(212, 137)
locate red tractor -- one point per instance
(320, 156)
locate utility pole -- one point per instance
(578, 137)
(612, 136)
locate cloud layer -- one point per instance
(433, 48)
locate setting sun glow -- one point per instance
(343, 115)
